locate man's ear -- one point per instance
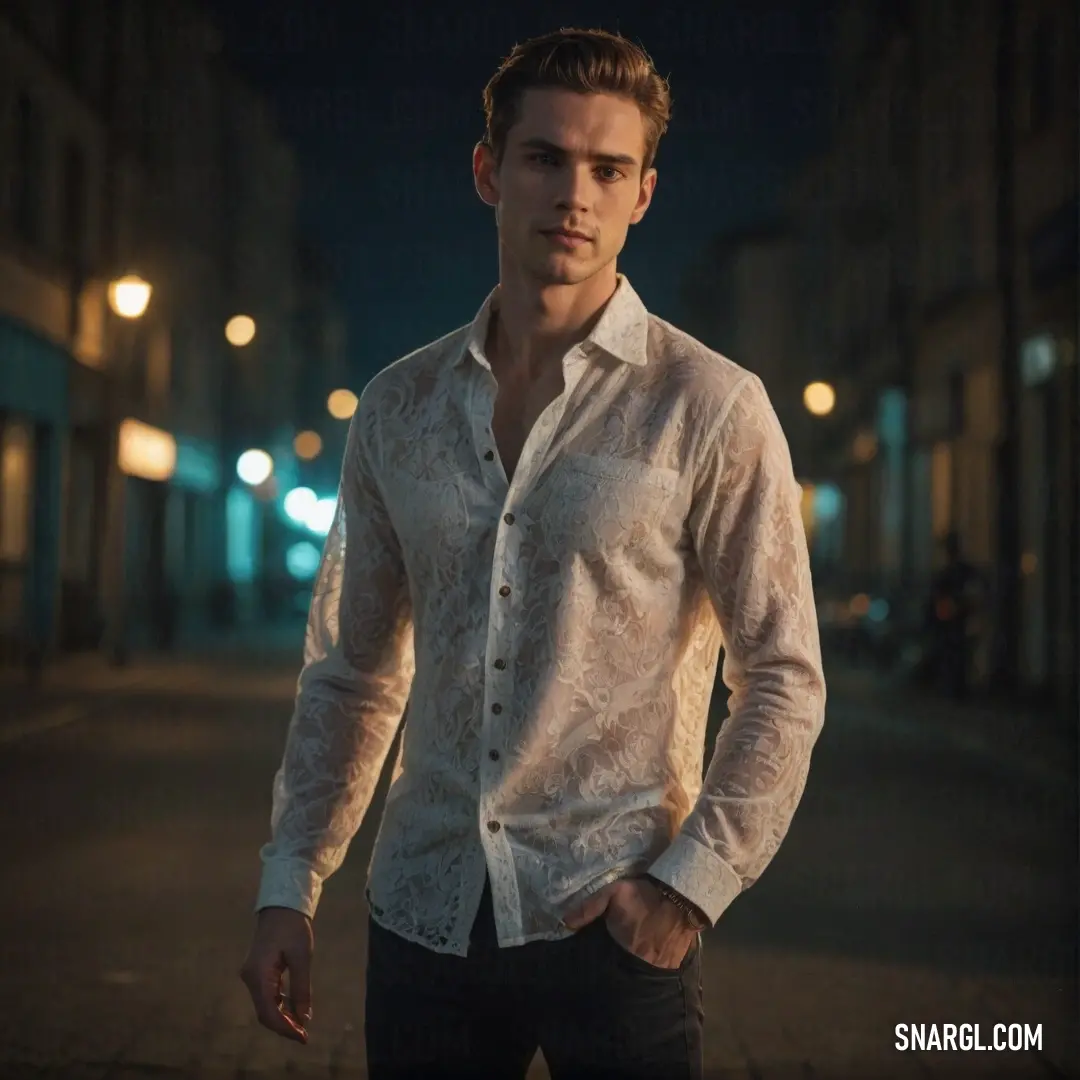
(485, 174)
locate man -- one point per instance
(550, 520)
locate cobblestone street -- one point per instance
(921, 883)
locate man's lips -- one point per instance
(566, 238)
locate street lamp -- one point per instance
(254, 467)
(341, 404)
(240, 330)
(819, 398)
(307, 445)
(128, 298)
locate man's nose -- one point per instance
(575, 185)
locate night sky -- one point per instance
(384, 109)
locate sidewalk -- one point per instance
(1041, 742)
(254, 661)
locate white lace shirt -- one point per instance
(552, 643)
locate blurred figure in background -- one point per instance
(955, 603)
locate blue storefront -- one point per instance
(34, 394)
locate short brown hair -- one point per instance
(587, 62)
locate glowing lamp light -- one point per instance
(129, 296)
(865, 447)
(321, 516)
(341, 404)
(879, 610)
(302, 560)
(308, 445)
(254, 467)
(240, 330)
(860, 605)
(145, 451)
(819, 399)
(299, 504)
(827, 502)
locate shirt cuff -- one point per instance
(699, 874)
(289, 883)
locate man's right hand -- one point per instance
(284, 941)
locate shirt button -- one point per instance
(490, 455)
(496, 708)
(494, 755)
(493, 826)
(504, 591)
(500, 664)
(509, 519)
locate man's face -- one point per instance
(572, 162)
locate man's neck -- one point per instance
(535, 327)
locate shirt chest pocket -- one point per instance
(604, 504)
(429, 511)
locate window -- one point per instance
(74, 236)
(1041, 83)
(30, 172)
(16, 478)
(941, 489)
(241, 537)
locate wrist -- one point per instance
(691, 914)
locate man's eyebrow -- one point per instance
(606, 159)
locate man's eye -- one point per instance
(614, 173)
(541, 158)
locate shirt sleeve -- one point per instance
(749, 537)
(353, 687)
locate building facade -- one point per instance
(996, 398)
(961, 303)
(957, 161)
(53, 160)
(930, 280)
(127, 146)
(1046, 213)
(871, 274)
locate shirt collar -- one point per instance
(622, 330)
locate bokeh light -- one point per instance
(254, 467)
(299, 504)
(302, 560)
(865, 447)
(129, 296)
(860, 605)
(308, 445)
(341, 404)
(240, 330)
(819, 398)
(321, 516)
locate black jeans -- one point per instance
(592, 1007)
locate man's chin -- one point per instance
(564, 272)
